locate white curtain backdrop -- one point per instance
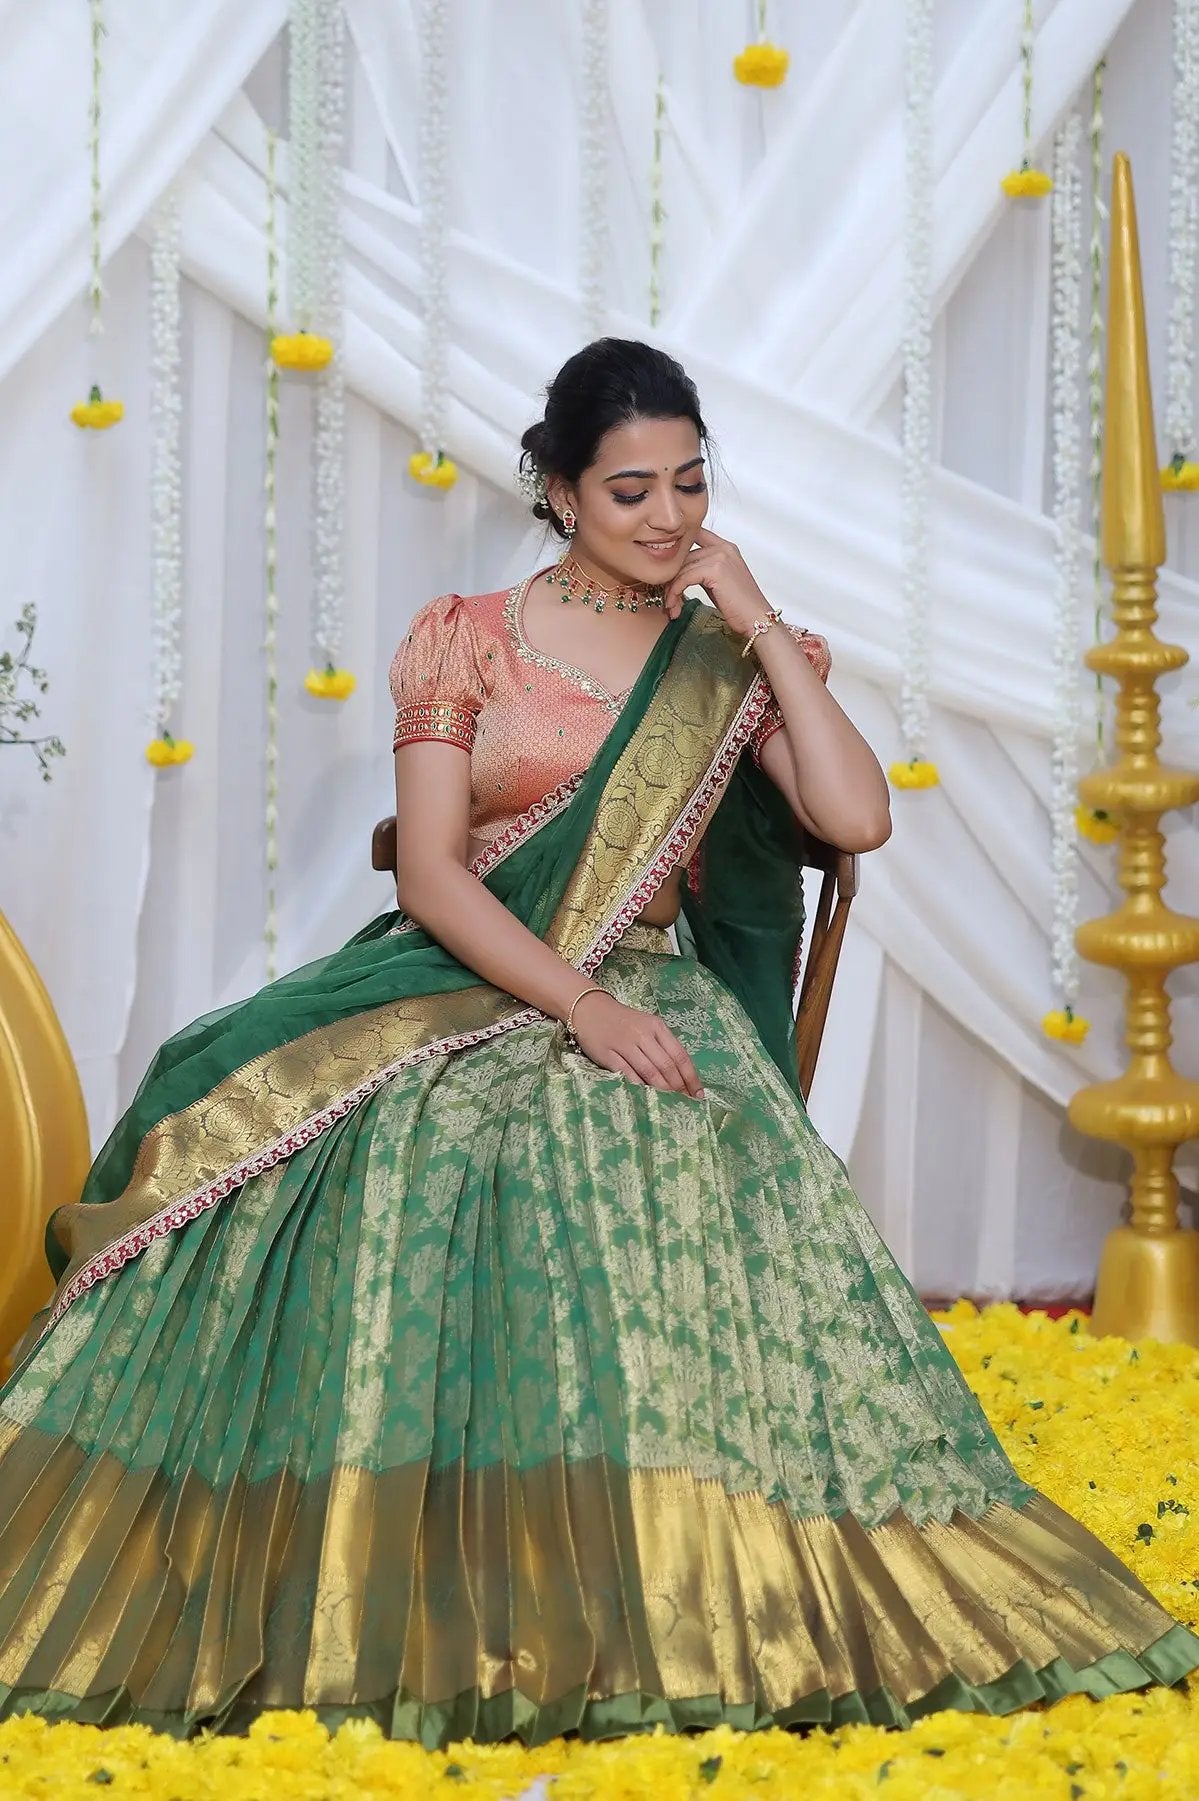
(141, 896)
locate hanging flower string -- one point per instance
(430, 465)
(270, 540)
(165, 749)
(1026, 182)
(325, 678)
(1181, 473)
(657, 213)
(1064, 1022)
(1096, 823)
(593, 166)
(95, 413)
(763, 64)
(915, 770)
(306, 347)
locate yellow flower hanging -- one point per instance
(301, 350)
(329, 683)
(432, 472)
(918, 773)
(97, 413)
(1180, 476)
(1026, 183)
(166, 752)
(761, 66)
(1064, 1024)
(1096, 823)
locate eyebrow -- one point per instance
(647, 475)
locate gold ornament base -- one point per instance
(1148, 1287)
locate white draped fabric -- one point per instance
(141, 896)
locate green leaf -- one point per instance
(1145, 1531)
(709, 1769)
(102, 1777)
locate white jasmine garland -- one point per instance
(1028, 45)
(271, 605)
(434, 176)
(303, 131)
(95, 287)
(657, 212)
(1067, 507)
(1184, 216)
(327, 258)
(1099, 216)
(593, 166)
(166, 484)
(917, 382)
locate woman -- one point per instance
(470, 1330)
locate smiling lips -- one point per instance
(666, 549)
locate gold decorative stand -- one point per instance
(1148, 1282)
(43, 1136)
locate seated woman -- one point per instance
(470, 1330)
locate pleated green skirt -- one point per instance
(528, 1399)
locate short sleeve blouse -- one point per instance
(437, 676)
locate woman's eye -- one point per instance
(634, 500)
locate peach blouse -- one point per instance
(466, 674)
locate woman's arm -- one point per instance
(435, 887)
(820, 760)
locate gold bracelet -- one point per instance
(569, 1020)
(761, 625)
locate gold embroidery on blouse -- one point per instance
(513, 611)
(439, 720)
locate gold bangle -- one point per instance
(569, 1020)
(759, 626)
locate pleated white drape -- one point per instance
(141, 896)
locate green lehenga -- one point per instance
(512, 1396)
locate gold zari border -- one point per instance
(567, 1578)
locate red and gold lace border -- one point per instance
(441, 721)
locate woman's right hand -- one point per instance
(634, 1044)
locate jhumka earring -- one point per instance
(568, 523)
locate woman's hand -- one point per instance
(717, 566)
(634, 1044)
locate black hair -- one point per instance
(610, 382)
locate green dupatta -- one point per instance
(241, 1088)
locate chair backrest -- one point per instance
(839, 869)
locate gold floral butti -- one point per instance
(662, 788)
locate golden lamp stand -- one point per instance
(1148, 1281)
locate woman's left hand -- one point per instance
(717, 566)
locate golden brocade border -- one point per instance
(354, 1586)
(664, 783)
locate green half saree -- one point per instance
(405, 1364)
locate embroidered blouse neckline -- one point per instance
(514, 618)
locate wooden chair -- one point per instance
(837, 889)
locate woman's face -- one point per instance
(638, 506)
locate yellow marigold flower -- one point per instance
(301, 350)
(330, 683)
(1096, 823)
(1180, 476)
(96, 412)
(433, 472)
(918, 773)
(1065, 1024)
(1026, 183)
(166, 751)
(761, 66)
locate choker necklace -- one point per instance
(576, 585)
